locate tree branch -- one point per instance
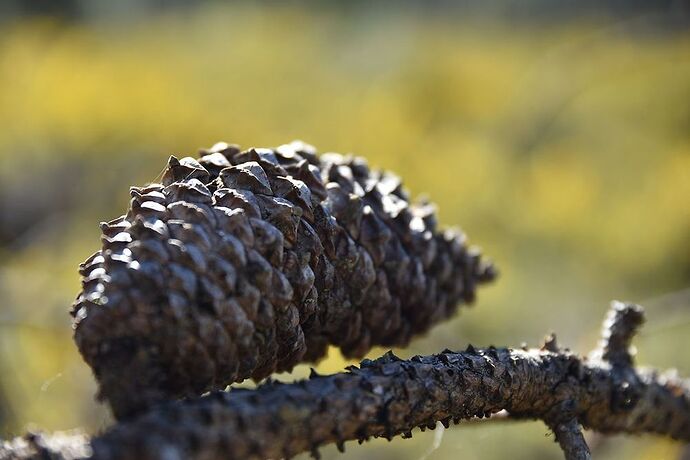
(620, 326)
(570, 438)
(390, 396)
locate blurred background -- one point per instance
(555, 133)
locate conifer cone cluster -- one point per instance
(243, 263)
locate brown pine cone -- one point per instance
(243, 263)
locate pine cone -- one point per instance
(243, 263)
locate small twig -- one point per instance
(570, 438)
(620, 326)
(391, 396)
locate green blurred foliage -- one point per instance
(563, 150)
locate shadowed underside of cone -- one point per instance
(243, 263)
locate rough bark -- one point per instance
(569, 436)
(390, 396)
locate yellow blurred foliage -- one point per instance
(563, 150)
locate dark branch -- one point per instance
(620, 326)
(390, 396)
(570, 438)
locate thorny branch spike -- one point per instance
(389, 396)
